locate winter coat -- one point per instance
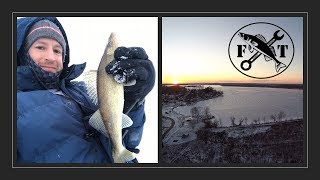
(53, 128)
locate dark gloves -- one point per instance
(132, 68)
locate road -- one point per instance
(171, 126)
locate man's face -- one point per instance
(47, 53)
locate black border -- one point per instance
(159, 88)
(186, 172)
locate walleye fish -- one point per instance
(90, 83)
(110, 99)
(259, 43)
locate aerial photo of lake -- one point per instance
(256, 104)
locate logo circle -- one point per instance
(261, 50)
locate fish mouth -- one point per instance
(241, 35)
(244, 36)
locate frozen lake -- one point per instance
(253, 103)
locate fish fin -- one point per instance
(97, 123)
(280, 66)
(251, 49)
(267, 58)
(259, 36)
(126, 121)
(90, 81)
(123, 156)
(272, 50)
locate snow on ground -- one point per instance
(182, 131)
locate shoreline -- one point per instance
(267, 85)
(183, 123)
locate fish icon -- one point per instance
(259, 43)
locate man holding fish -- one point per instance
(57, 119)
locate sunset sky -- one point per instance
(195, 49)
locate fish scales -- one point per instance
(111, 102)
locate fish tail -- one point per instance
(279, 66)
(123, 156)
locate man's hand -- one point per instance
(135, 71)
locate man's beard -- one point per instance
(49, 80)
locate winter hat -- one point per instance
(45, 29)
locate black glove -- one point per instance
(132, 68)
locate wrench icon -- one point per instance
(257, 54)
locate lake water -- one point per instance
(253, 103)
